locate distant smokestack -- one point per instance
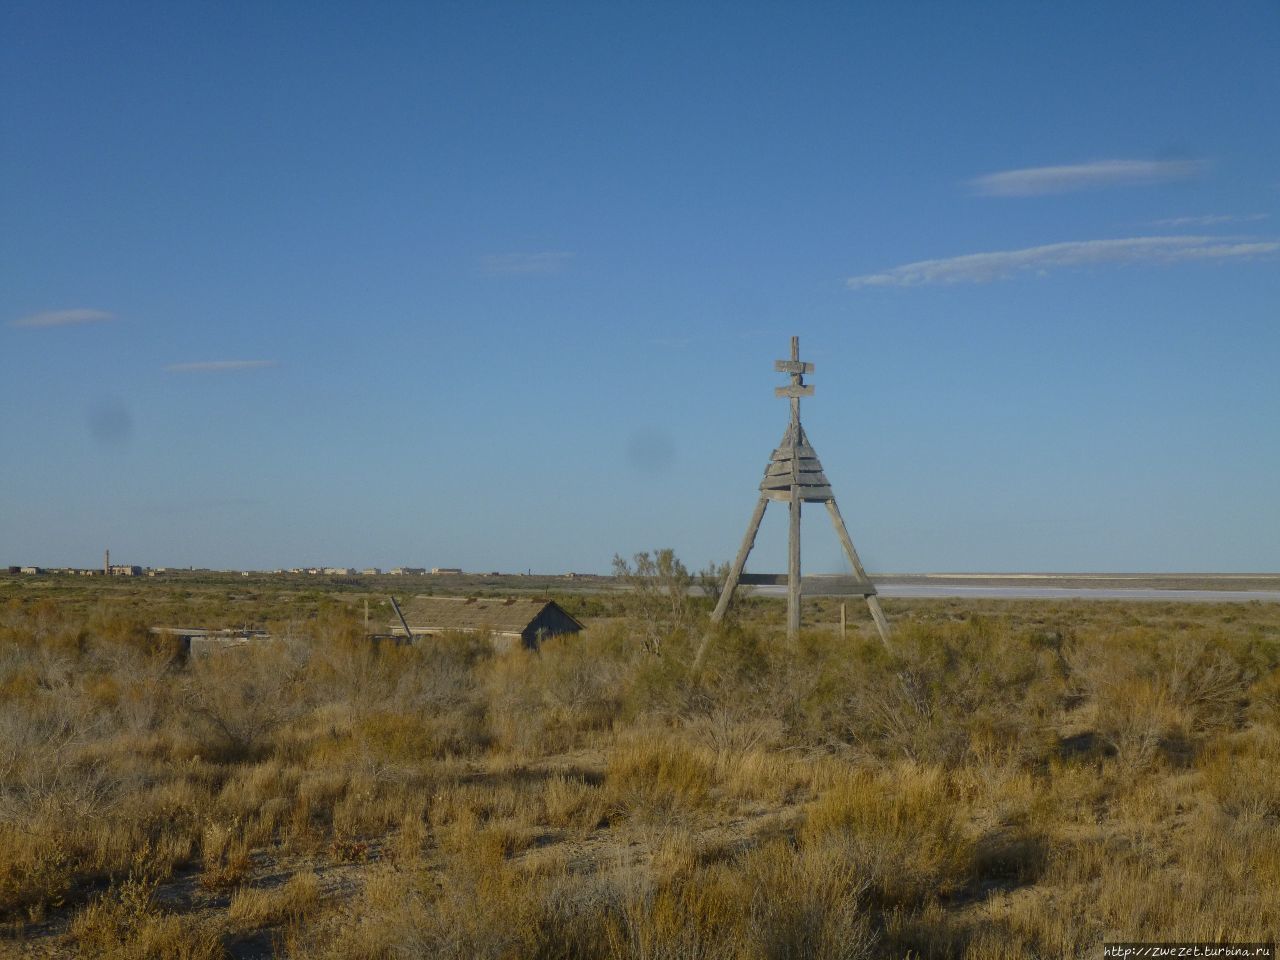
(106, 563)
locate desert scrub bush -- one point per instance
(667, 919)
(1264, 700)
(654, 776)
(36, 873)
(122, 628)
(546, 701)
(43, 625)
(237, 698)
(581, 676)
(436, 673)
(402, 739)
(490, 915)
(776, 901)
(663, 688)
(571, 803)
(291, 902)
(1159, 696)
(43, 737)
(1241, 772)
(226, 854)
(900, 827)
(805, 903)
(125, 924)
(949, 693)
(141, 684)
(740, 669)
(342, 666)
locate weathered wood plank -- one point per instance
(785, 483)
(804, 463)
(816, 585)
(807, 494)
(797, 466)
(816, 479)
(793, 391)
(799, 450)
(806, 481)
(784, 470)
(792, 366)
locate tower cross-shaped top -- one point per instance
(797, 368)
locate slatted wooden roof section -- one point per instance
(471, 614)
(795, 461)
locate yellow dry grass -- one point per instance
(1021, 784)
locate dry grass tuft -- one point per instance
(290, 903)
(125, 924)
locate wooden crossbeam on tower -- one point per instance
(794, 475)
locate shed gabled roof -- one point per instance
(501, 615)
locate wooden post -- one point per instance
(793, 569)
(793, 539)
(403, 622)
(842, 621)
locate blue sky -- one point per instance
(500, 285)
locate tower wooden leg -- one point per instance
(873, 602)
(731, 581)
(748, 541)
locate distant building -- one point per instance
(510, 621)
(408, 571)
(372, 571)
(446, 570)
(30, 570)
(124, 570)
(340, 571)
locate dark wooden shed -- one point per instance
(509, 621)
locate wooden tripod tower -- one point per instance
(794, 475)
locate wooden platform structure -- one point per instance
(509, 621)
(794, 476)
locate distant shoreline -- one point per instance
(1234, 582)
(1120, 586)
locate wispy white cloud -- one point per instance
(1210, 220)
(1000, 264)
(62, 318)
(218, 366)
(516, 264)
(1035, 181)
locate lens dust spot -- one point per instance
(110, 423)
(651, 451)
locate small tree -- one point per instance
(659, 601)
